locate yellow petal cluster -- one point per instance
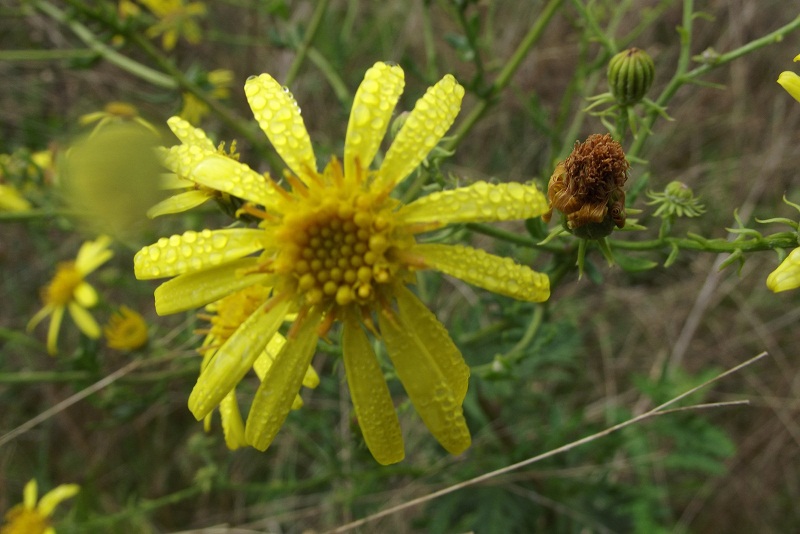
(335, 246)
(791, 81)
(32, 516)
(68, 290)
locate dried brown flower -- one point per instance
(587, 187)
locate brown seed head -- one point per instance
(587, 186)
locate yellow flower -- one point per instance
(175, 19)
(115, 112)
(69, 291)
(12, 200)
(228, 314)
(31, 517)
(126, 330)
(787, 275)
(218, 83)
(337, 247)
(791, 81)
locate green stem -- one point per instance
(332, 75)
(46, 55)
(532, 37)
(108, 53)
(311, 32)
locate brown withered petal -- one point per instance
(587, 186)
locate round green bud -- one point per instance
(630, 75)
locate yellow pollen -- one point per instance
(62, 288)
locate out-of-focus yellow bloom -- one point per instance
(338, 247)
(226, 316)
(112, 177)
(175, 19)
(115, 112)
(791, 81)
(126, 330)
(787, 275)
(12, 200)
(69, 291)
(218, 83)
(32, 516)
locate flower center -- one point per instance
(339, 249)
(62, 288)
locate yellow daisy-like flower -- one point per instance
(791, 81)
(32, 517)
(337, 247)
(69, 291)
(227, 315)
(175, 19)
(126, 330)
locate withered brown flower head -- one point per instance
(587, 187)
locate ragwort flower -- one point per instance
(69, 291)
(791, 81)
(32, 516)
(126, 330)
(337, 247)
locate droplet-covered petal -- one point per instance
(425, 126)
(234, 358)
(192, 290)
(276, 394)
(497, 274)
(479, 202)
(194, 251)
(370, 394)
(279, 117)
(787, 275)
(224, 174)
(428, 388)
(188, 134)
(181, 159)
(372, 108)
(424, 325)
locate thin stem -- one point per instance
(311, 32)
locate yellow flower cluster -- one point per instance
(32, 516)
(335, 246)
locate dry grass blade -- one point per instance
(658, 410)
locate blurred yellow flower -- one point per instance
(69, 291)
(337, 247)
(115, 112)
(32, 517)
(218, 83)
(791, 81)
(226, 316)
(175, 19)
(12, 200)
(126, 330)
(787, 275)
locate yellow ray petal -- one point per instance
(85, 295)
(277, 391)
(224, 174)
(52, 498)
(93, 254)
(189, 135)
(425, 126)
(424, 325)
(497, 274)
(370, 394)
(30, 494)
(84, 320)
(232, 424)
(181, 159)
(179, 203)
(52, 330)
(193, 251)
(192, 290)
(373, 105)
(479, 202)
(279, 117)
(791, 82)
(429, 390)
(234, 358)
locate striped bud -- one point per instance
(630, 75)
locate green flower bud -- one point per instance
(630, 75)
